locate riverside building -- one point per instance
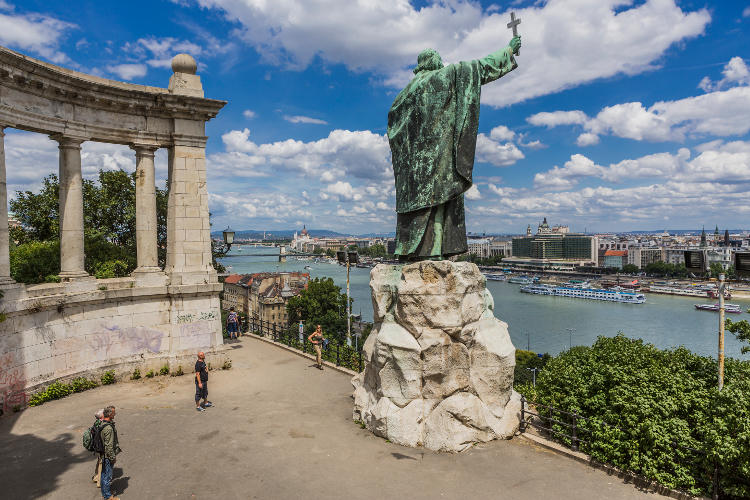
(554, 248)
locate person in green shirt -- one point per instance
(111, 449)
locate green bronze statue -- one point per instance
(432, 130)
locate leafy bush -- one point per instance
(150, 374)
(108, 377)
(111, 269)
(662, 402)
(178, 372)
(526, 360)
(164, 370)
(81, 384)
(136, 374)
(227, 364)
(57, 390)
(35, 262)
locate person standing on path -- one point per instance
(316, 338)
(111, 446)
(97, 477)
(233, 323)
(201, 383)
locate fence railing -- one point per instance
(589, 435)
(332, 351)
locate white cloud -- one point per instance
(5, 6)
(493, 152)
(341, 189)
(587, 139)
(716, 162)
(573, 42)
(735, 72)
(502, 133)
(304, 119)
(746, 12)
(249, 114)
(473, 193)
(358, 154)
(34, 33)
(720, 113)
(556, 118)
(128, 71)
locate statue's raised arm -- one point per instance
(432, 130)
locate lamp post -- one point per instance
(533, 371)
(349, 258)
(721, 331)
(570, 337)
(228, 235)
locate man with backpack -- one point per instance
(97, 477)
(108, 443)
(233, 324)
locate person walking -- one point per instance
(97, 477)
(111, 447)
(316, 338)
(233, 323)
(201, 383)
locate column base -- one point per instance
(7, 280)
(150, 275)
(74, 275)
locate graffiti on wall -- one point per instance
(114, 341)
(189, 318)
(12, 384)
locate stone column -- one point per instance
(5, 278)
(71, 209)
(145, 210)
(188, 229)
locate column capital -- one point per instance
(144, 149)
(68, 141)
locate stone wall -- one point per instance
(59, 331)
(438, 364)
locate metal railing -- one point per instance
(587, 434)
(333, 352)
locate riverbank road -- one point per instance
(280, 429)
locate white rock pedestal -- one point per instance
(438, 365)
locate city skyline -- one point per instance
(635, 123)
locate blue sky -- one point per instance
(622, 115)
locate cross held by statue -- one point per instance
(513, 25)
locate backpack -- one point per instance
(89, 437)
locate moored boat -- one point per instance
(579, 292)
(728, 308)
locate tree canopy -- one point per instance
(322, 303)
(109, 228)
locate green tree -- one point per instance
(715, 269)
(322, 303)
(741, 330)
(630, 269)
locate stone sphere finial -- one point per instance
(184, 63)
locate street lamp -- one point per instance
(349, 258)
(533, 371)
(228, 234)
(570, 337)
(721, 330)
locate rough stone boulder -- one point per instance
(438, 365)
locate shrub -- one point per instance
(35, 262)
(150, 374)
(136, 374)
(111, 269)
(227, 364)
(164, 370)
(178, 372)
(662, 402)
(81, 384)
(108, 377)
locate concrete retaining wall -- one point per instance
(58, 331)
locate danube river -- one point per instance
(541, 322)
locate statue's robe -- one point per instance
(432, 130)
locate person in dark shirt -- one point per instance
(201, 383)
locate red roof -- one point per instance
(616, 253)
(232, 278)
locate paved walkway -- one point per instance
(280, 429)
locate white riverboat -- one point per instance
(578, 292)
(495, 276)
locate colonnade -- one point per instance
(71, 210)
